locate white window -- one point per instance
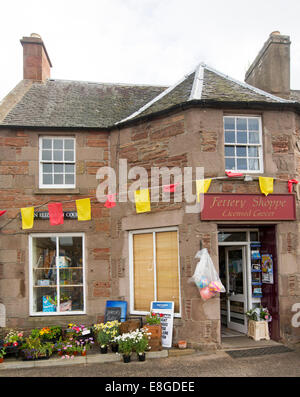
(57, 276)
(154, 269)
(57, 162)
(243, 144)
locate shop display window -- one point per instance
(57, 274)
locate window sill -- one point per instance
(56, 191)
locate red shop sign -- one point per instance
(241, 207)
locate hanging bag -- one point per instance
(205, 276)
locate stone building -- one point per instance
(55, 135)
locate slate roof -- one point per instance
(76, 104)
(62, 103)
(206, 84)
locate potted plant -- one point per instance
(2, 354)
(103, 337)
(81, 346)
(105, 334)
(258, 319)
(66, 348)
(34, 349)
(141, 343)
(125, 343)
(47, 334)
(12, 341)
(153, 327)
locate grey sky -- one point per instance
(144, 41)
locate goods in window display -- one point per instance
(57, 272)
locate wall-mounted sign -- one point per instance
(45, 215)
(251, 207)
(167, 309)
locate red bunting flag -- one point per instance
(56, 215)
(110, 202)
(232, 174)
(170, 188)
(290, 184)
(2, 212)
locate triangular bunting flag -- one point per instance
(170, 188)
(202, 186)
(83, 209)
(56, 215)
(233, 174)
(110, 202)
(142, 200)
(290, 184)
(266, 185)
(2, 212)
(27, 217)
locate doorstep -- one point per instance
(11, 363)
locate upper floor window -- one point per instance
(243, 144)
(57, 162)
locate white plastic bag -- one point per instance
(205, 276)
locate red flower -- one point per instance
(15, 344)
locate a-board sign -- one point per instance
(167, 309)
(112, 314)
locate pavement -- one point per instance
(165, 363)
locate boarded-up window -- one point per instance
(155, 269)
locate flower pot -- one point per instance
(83, 353)
(155, 337)
(1, 360)
(142, 356)
(126, 358)
(182, 344)
(258, 330)
(103, 349)
(114, 347)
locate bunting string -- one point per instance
(142, 198)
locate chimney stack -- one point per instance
(270, 70)
(36, 62)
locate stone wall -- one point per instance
(19, 188)
(194, 138)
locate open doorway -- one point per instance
(241, 255)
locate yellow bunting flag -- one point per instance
(27, 217)
(83, 209)
(142, 200)
(202, 186)
(266, 185)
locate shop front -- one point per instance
(248, 248)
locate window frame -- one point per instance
(131, 267)
(41, 162)
(247, 145)
(31, 282)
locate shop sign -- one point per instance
(251, 207)
(167, 309)
(45, 215)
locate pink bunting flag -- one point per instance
(170, 188)
(56, 215)
(2, 212)
(110, 202)
(290, 184)
(232, 174)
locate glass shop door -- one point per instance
(236, 288)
